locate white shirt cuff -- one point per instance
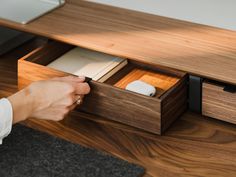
(6, 118)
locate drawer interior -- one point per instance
(134, 71)
(162, 78)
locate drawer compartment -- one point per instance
(217, 102)
(110, 99)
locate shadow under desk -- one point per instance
(192, 146)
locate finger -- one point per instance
(77, 98)
(70, 79)
(82, 89)
(73, 106)
(74, 79)
(76, 103)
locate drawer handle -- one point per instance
(87, 79)
(230, 88)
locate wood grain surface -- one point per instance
(197, 49)
(192, 147)
(218, 103)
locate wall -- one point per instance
(218, 13)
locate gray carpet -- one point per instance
(29, 153)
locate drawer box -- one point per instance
(218, 103)
(153, 114)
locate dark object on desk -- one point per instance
(10, 39)
(195, 94)
(87, 79)
(28, 153)
(230, 88)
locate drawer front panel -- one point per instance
(217, 103)
(123, 106)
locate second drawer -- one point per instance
(217, 102)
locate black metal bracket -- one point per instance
(195, 94)
(87, 79)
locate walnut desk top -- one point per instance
(198, 49)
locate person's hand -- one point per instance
(50, 99)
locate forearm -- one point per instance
(14, 109)
(22, 105)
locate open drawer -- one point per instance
(153, 114)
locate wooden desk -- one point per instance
(197, 49)
(193, 146)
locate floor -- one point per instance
(192, 146)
